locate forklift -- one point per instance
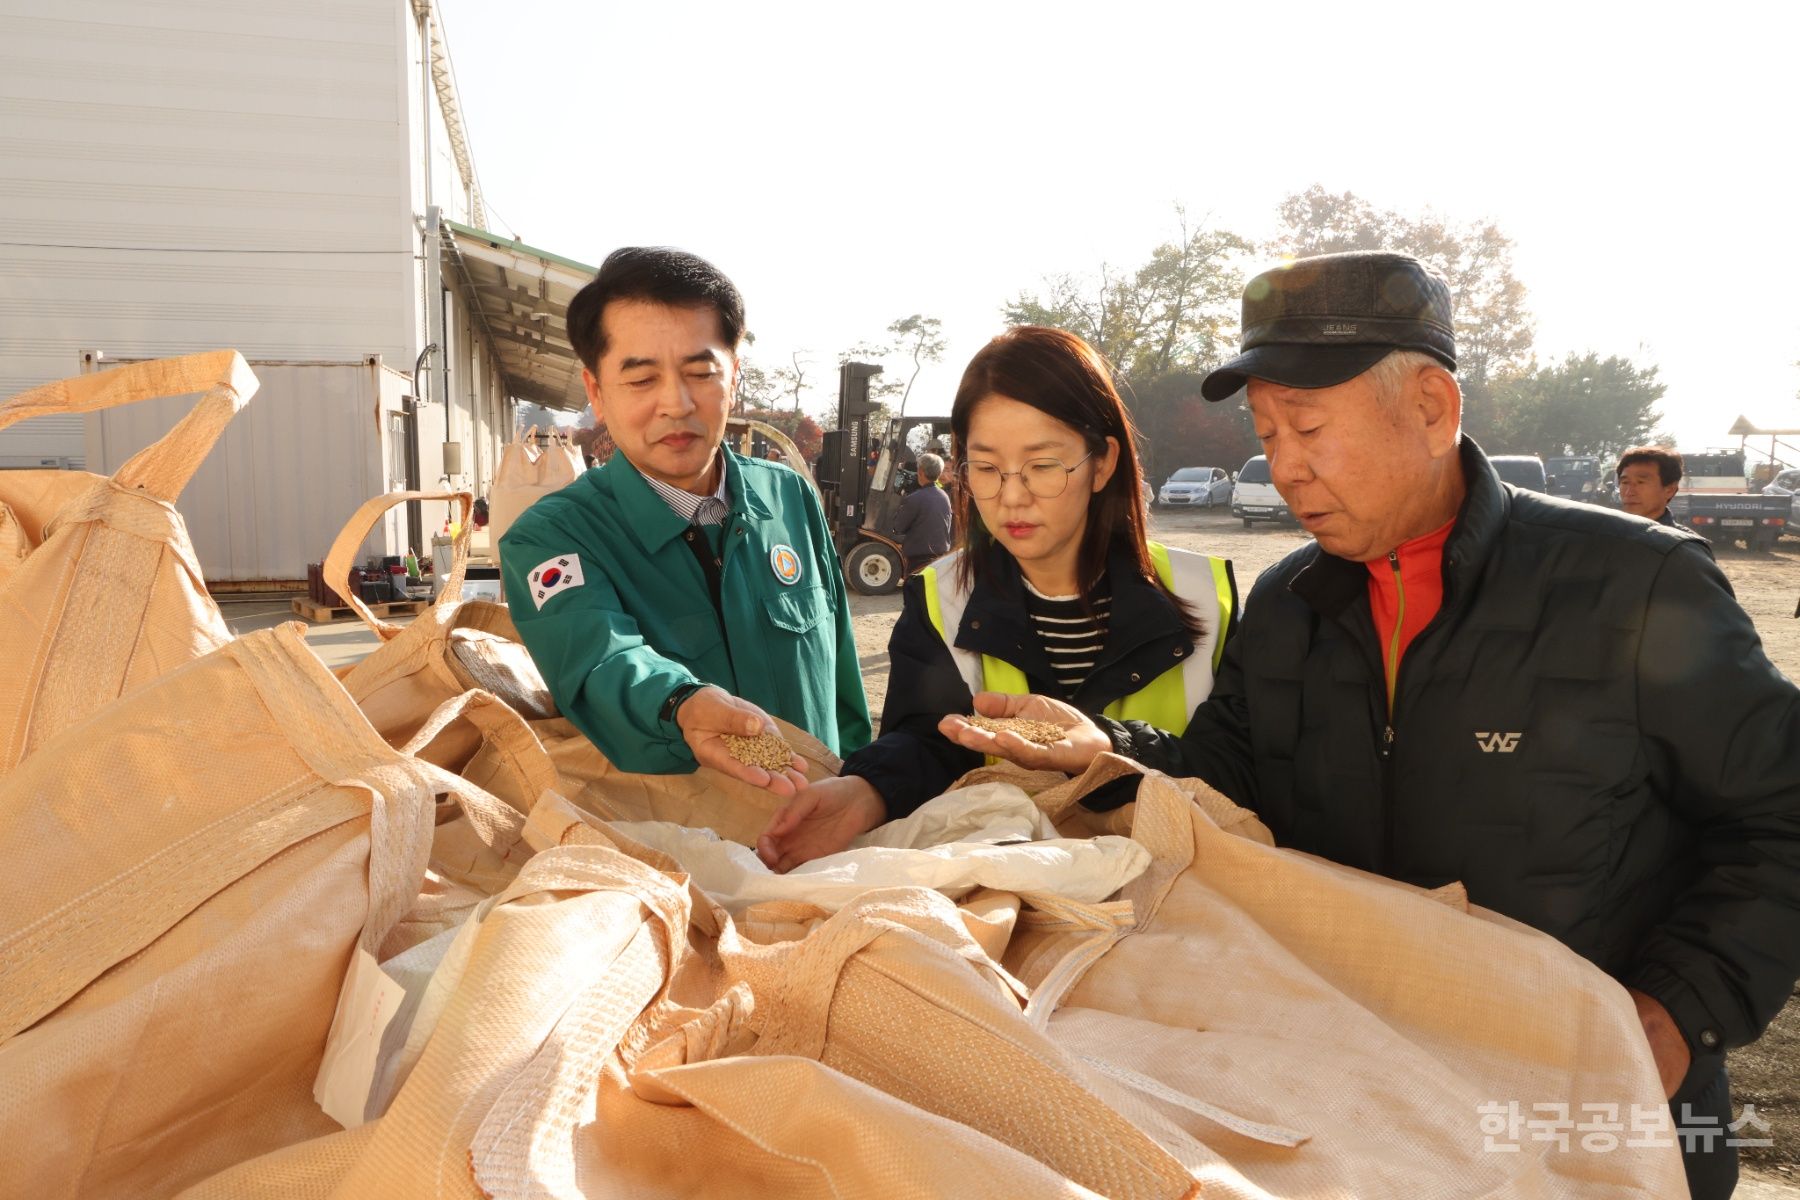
(862, 482)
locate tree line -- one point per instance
(1163, 324)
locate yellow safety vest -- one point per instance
(1168, 700)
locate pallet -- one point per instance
(320, 614)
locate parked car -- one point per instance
(1197, 486)
(1523, 470)
(1787, 483)
(1254, 497)
(1579, 477)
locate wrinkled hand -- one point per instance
(1082, 740)
(1667, 1045)
(711, 712)
(819, 821)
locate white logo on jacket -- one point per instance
(1505, 743)
(553, 575)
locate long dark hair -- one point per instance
(1063, 377)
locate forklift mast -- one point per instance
(861, 479)
(843, 459)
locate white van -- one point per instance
(1254, 498)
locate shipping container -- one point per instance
(315, 441)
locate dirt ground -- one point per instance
(1766, 1074)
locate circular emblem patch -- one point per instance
(785, 563)
(551, 578)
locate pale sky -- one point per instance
(848, 163)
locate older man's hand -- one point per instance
(1667, 1045)
(712, 712)
(1081, 743)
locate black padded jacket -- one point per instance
(1587, 734)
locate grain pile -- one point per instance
(1044, 733)
(766, 750)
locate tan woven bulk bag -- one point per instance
(189, 872)
(1246, 983)
(881, 1057)
(30, 500)
(526, 474)
(1243, 1022)
(451, 647)
(108, 594)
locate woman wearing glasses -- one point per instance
(1055, 590)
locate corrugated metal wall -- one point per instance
(311, 446)
(204, 174)
(180, 177)
(43, 442)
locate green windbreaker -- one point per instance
(613, 605)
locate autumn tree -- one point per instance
(1177, 312)
(594, 442)
(805, 432)
(1493, 326)
(1160, 326)
(1177, 427)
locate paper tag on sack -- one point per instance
(366, 1007)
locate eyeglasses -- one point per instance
(1045, 478)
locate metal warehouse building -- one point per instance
(293, 182)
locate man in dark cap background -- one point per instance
(1562, 707)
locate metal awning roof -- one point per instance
(1743, 428)
(521, 295)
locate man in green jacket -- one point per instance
(681, 592)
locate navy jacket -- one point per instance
(922, 523)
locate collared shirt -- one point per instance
(695, 510)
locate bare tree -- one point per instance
(1177, 312)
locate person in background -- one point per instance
(1056, 589)
(1649, 477)
(1559, 706)
(681, 592)
(922, 522)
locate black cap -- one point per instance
(1319, 321)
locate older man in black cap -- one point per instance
(1562, 707)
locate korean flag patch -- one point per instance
(553, 575)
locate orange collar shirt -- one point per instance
(1406, 589)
